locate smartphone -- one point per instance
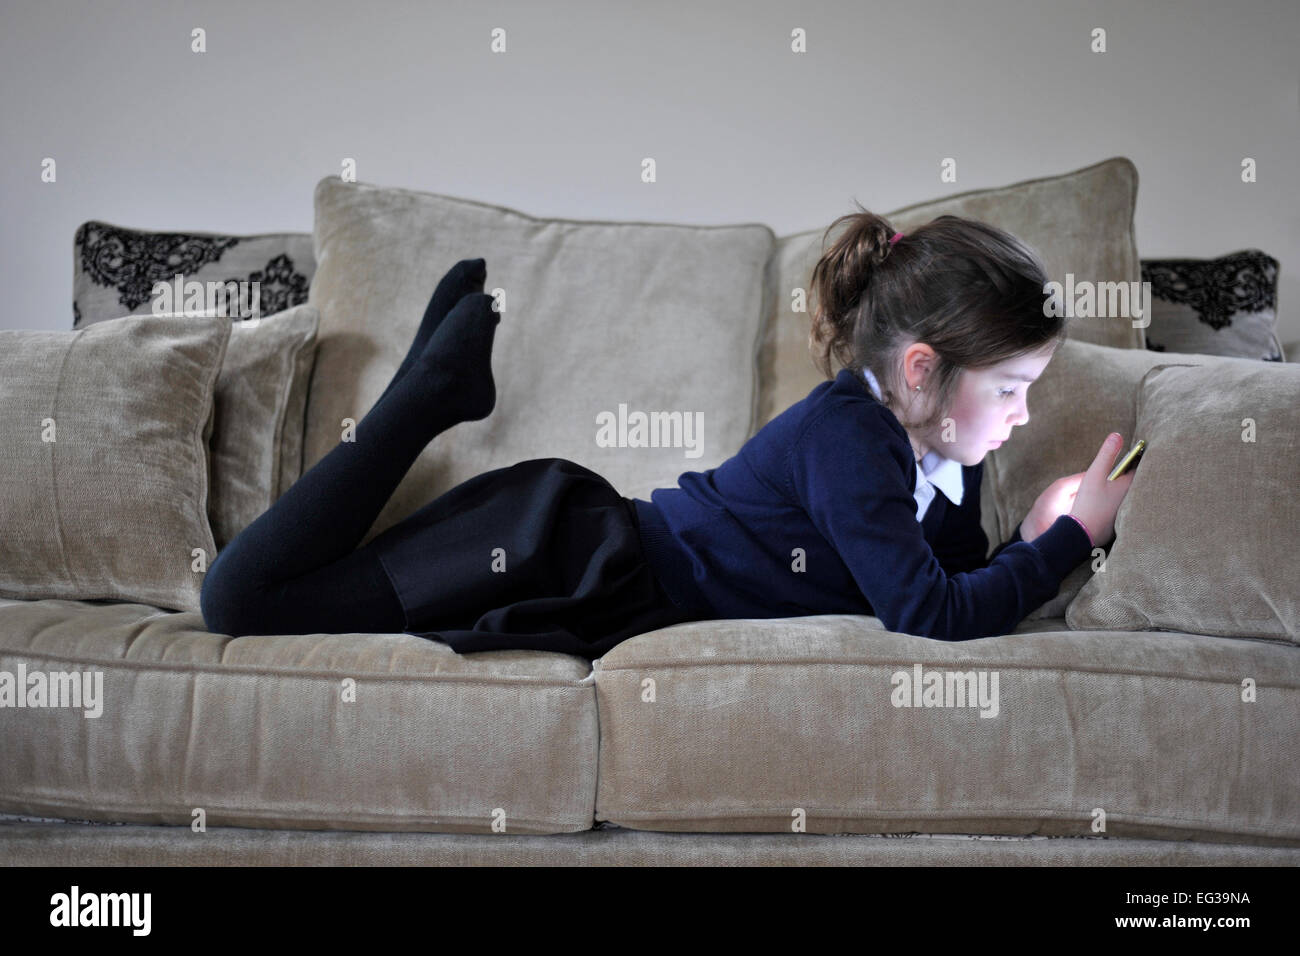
(1129, 460)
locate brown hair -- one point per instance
(972, 292)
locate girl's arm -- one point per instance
(849, 471)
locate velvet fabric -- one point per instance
(104, 486)
(1081, 222)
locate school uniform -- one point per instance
(821, 512)
(543, 555)
(937, 473)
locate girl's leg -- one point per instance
(249, 588)
(463, 278)
(352, 594)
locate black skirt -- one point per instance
(541, 555)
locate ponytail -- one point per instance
(841, 279)
(972, 292)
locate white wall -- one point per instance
(148, 134)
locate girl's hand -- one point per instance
(1056, 500)
(1098, 500)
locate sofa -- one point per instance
(1149, 714)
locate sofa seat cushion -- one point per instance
(32, 841)
(768, 725)
(319, 731)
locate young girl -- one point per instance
(862, 498)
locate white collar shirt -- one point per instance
(934, 471)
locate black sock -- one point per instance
(464, 277)
(327, 512)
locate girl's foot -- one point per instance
(463, 278)
(458, 357)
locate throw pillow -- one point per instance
(1205, 538)
(259, 428)
(115, 268)
(1059, 440)
(261, 403)
(104, 480)
(261, 407)
(1224, 306)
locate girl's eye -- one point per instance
(1005, 392)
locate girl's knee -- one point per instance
(219, 606)
(229, 602)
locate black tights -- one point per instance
(351, 594)
(296, 568)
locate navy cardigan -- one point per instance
(815, 515)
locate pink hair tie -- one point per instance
(895, 237)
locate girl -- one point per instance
(862, 498)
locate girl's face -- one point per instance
(989, 403)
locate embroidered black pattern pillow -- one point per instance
(1225, 306)
(260, 399)
(116, 269)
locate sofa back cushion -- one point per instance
(1080, 222)
(104, 479)
(601, 322)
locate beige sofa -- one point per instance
(1149, 714)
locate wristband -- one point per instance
(1091, 542)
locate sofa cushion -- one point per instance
(1224, 306)
(313, 731)
(1206, 537)
(758, 725)
(105, 476)
(601, 322)
(261, 407)
(261, 403)
(115, 268)
(114, 273)
(1058, 441)
(1081, 223)
(46, 842)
